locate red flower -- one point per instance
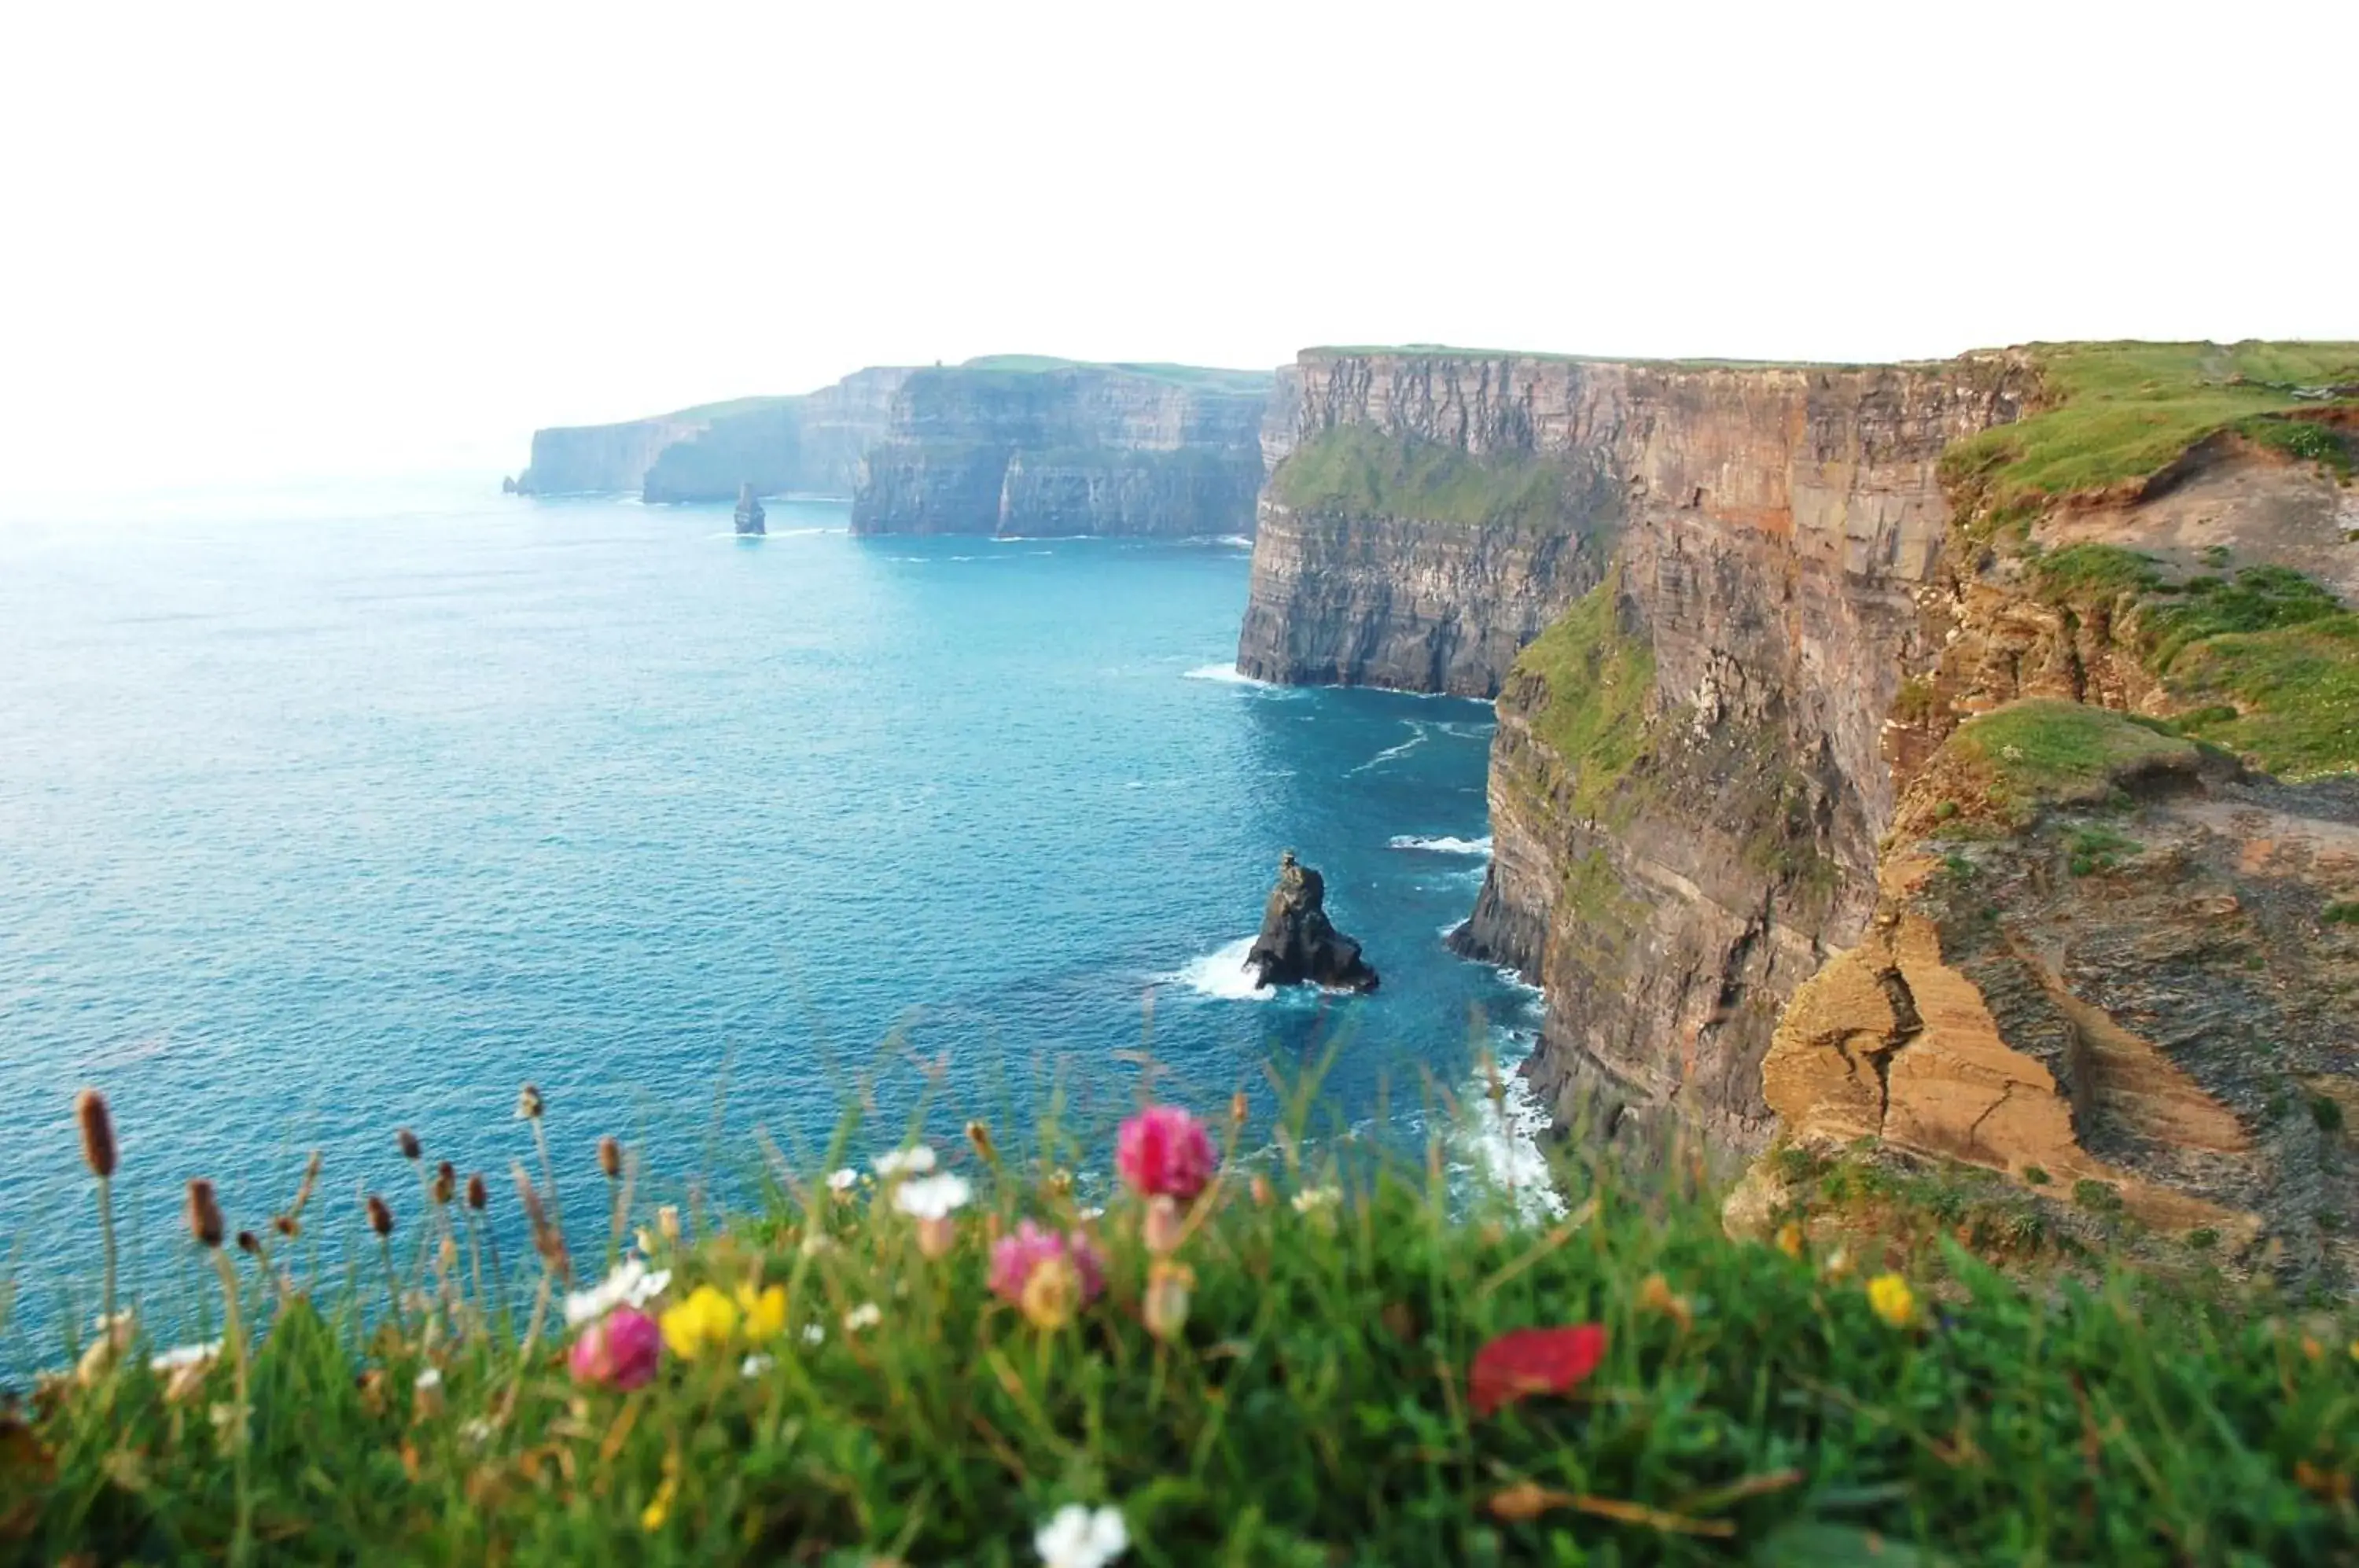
(1165, 1151)
(1533, 1361)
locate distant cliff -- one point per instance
(1026, 446)
(807, 444)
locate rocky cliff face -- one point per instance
(1069, 448)
(810, 444)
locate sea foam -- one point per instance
(1221, 975)
(1445, 844)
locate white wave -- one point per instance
(1242, 541)
(1222, 974)
(1445, 844)
(1226, 674)
(1415, 739)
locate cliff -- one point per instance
(1018, 446)
(1804, 580)
(810, 444)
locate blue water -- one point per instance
(328, 812)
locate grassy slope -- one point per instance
(2266, 661)
(1359, 471)
(2121, 411)
(1201, 377)
(1597, 682)
(1752, 1405)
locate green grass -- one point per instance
(2122, 412)
(1751, 1406)
(1596, 682)
(1360, 471)
(2048, 750)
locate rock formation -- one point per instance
(1023, 447)
(1298, 944)
(749, 511)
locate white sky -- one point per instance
(247, 241)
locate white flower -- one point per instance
(630, 1285)
(755, 1366)
(843, 1181)
(1310, 1200)
(1077, 1538)
(816, 1242)
(182, 1355)
(932, 1197)
(912, 1162)
(813, 1334)
(867, 1314)
(431, 1378)
(476, 1430)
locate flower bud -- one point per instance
(446, 1182)
(1165, 1225)
(937, 1235)
(529, 1104)
(380, 1216)
(204, 1214)
(479, 1194)
(1165, 1305)
(979, 1136)
(667, 1223)
(406, 1141)
(98, 1149)
(1263, 1195)
(610, 1158)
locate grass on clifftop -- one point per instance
(2046, 749)
(1299, 1365)
(2122, 411)
(1199, 376)
(1361, 471)
(2266, 661)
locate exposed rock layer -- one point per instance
(1073, 449)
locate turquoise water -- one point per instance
(324, 813)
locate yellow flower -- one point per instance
(1051, 1291)
(706, 1318)
(2355, 1350)
(1892, 1299)
(1789, 1240)
(765, 1313)
(1657, 1296)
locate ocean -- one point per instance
(330, 810)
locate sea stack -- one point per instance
(1298, 944)
(749, 511)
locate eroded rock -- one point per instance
(1297, 944)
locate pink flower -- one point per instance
(1046, 1275)
(1533, 1361)
(1164, 1151)
(620, 1350)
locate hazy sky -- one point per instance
(245, 240)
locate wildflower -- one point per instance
(1892, 1299)
(867, 1314)
(406, 1141)
(932, 1197)
(841, 1182)
(765, 1311)
(1164, 1308)
(115, 1332)
(813, 1334)
(667, 1223)
(915, 1160)
(1077, 1537)
(479, 1193)
(2311, 1348)
(1657, 1296)
(380, 1216)
(477, 1431)
(1164, 1226)
(816, 1242)
(610, 1158)
(979, 1136)
(631, 1284)
(707, 1317)
(619, 1350)
(446, 1182)
(1533, 1361)
(1790, 1238)
(1163, 1149)
(1314, 1200)
(1837, 1265)
(1046, 1275)
(529, 1104)
(426, 1395)
(755, 1366)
